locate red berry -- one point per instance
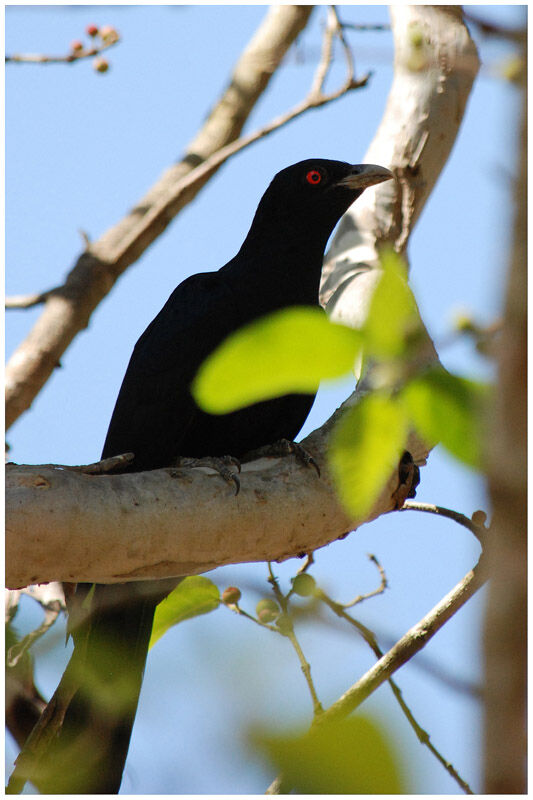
(231, 595)
(100, 65)
(91, 30)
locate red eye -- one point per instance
(313, 177)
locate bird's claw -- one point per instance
(300, 453)
(303, 456)
(285, 447)
(221, 464)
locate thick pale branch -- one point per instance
(67, 311)
(70, 526)
(435, 64)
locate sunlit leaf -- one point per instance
(289, 351)
(365, 447)
(451, 410)
(392, 318)
(195, 595)
(352, 756)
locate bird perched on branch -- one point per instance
(81, 742)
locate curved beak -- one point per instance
(365, 175)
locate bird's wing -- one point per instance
(154, 407)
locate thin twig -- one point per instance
(309, 561)
(422, 735)
(16, 652)
(410, 644)
(346, 47)
(287, 630)
(315, 99)
(423, 738)
(324, 63)
(380, 589)
(479, 531)
(353, 26)
(235, 607)
(28, 300)
(70, 58)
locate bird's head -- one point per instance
(315, 193)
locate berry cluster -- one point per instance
(102, 37)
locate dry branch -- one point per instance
(68, 310)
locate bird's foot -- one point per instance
(221, 464)
(282, 448)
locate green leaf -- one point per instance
(291, 350)
(451, 410)
(393, 317)
(195, 595)
(352, 756)
(366, 446)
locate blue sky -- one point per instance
(81, 149)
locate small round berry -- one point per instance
(91, 30)
(108, 34)
(231, 595)
(267, 610)
(304, 585)
(76, 46)
(100, 65)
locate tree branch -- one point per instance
(29, 300)
(66, 525)
(405, 648)
(414, 640)
(67, 311)
(76, 54)
(435, 64)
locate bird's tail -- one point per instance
(80, 744)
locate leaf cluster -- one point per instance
(293, 350)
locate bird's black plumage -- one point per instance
(156, 418)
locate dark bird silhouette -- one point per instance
(80, 746)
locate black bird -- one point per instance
(156, 418)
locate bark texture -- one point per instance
(66, 526)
